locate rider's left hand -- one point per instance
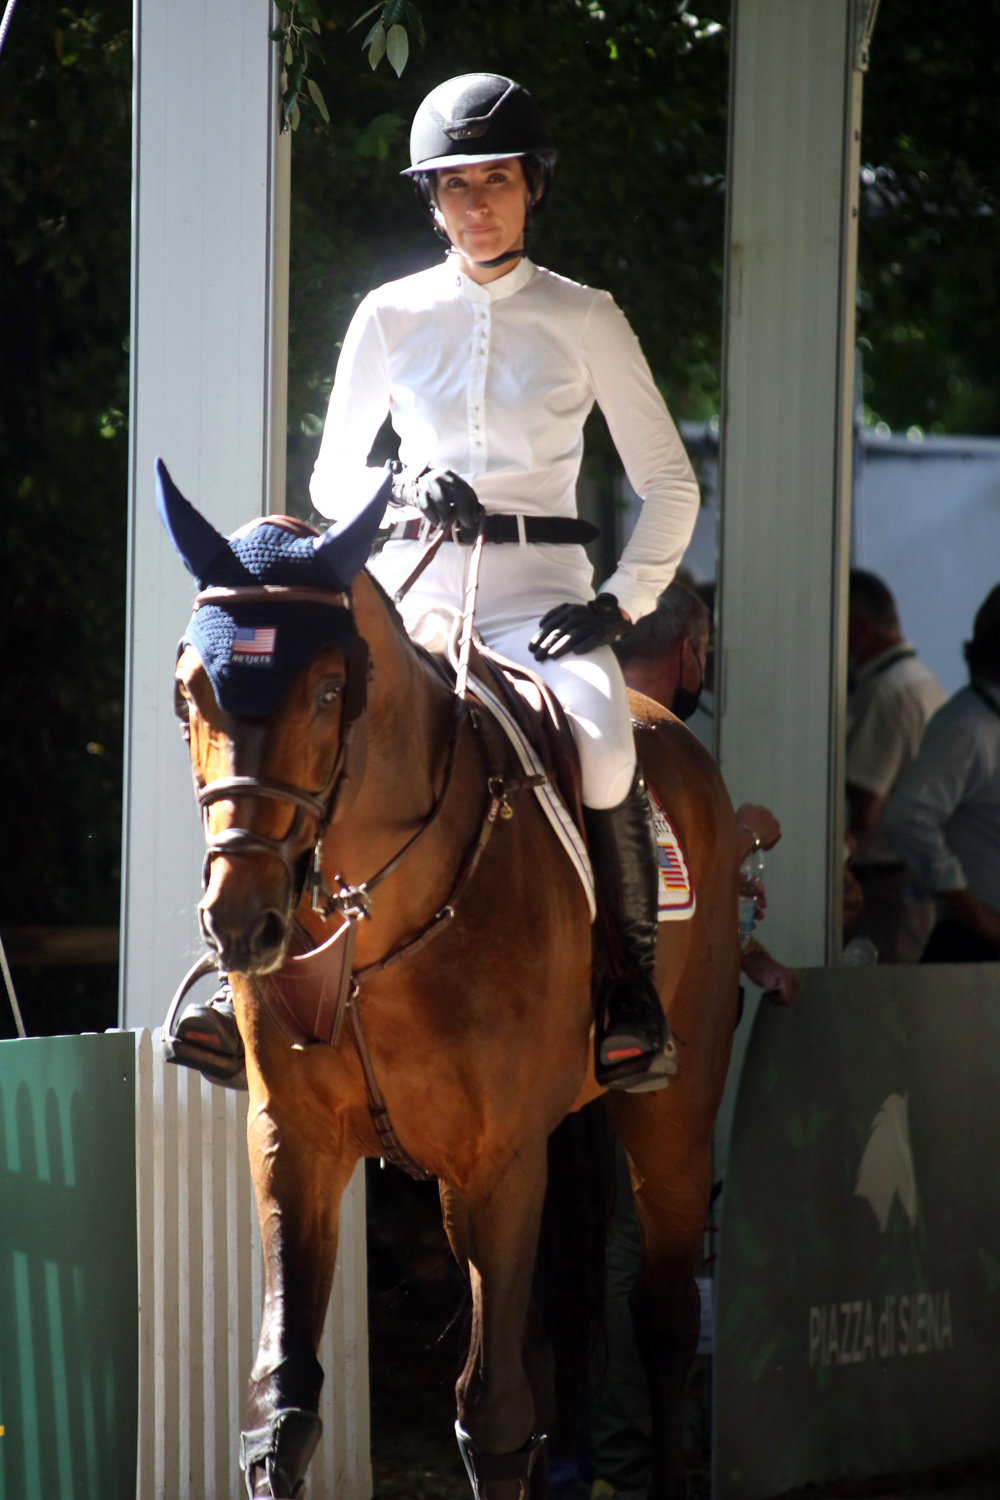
(579, 628)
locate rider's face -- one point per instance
(484, 207)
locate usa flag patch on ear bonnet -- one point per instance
(253, 649)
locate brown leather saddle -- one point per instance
(539, 715)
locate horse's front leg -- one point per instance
(496, 1411)
(298, 1181)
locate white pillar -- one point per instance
(795, 112)
(209, 359)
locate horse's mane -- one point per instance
(395, 617)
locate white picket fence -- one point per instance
(200, 1288)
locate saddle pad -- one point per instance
(552, 804)
(676, 901)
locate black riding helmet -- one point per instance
(478, 117)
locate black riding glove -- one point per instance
(441, 495)
(579, 628)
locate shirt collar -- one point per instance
(493, 291)
(874, 664)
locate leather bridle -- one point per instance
(345, 774)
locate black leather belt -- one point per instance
(560, 530)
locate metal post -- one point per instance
(209, 353)
(795, 113)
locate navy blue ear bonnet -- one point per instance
(253, 649)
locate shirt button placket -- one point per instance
(478, 363)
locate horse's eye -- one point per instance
(329, 696)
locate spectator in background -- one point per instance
(943, 817)
(664, 653)
(893, 696)
(664, 656)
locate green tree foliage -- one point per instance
(929, 261)
(635, 94)
(65, 83)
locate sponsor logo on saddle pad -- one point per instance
(676, 901)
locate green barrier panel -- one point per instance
(68, 1282)
(858, 1295)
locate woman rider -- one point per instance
(488, 366)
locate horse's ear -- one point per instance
(196, 539)
(344, 549)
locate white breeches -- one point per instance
(517, 584)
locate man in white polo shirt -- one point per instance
(893, 696)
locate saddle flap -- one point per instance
(541, 717)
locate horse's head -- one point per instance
(270, 688)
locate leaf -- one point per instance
(392, 12)
(377, 49)
(277, 35)
(365, 14)
(285, 6)
(318, 100)
(397, 46)
(289, 54)
(371, 35)
(296, 114)
(416, 20)
(317, 27)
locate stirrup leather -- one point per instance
(282, 1449)
(487, 1468)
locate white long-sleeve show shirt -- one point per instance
(496, 382)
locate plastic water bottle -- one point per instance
(751, 884)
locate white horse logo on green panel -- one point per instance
(886, 1170)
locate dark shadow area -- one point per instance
(58, 1001)
(417, 1327)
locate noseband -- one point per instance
(321, 806)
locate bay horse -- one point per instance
(481, 1040)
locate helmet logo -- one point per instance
(466, 129)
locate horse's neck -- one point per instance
(409, 719)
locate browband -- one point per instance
(267, 593)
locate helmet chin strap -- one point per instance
(498, 260)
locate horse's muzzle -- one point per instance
(246, 920)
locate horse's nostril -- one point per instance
(268, 934)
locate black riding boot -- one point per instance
(632, 1045)
(206, 1037)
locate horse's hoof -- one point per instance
(275, 1458)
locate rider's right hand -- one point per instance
(441, 495)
